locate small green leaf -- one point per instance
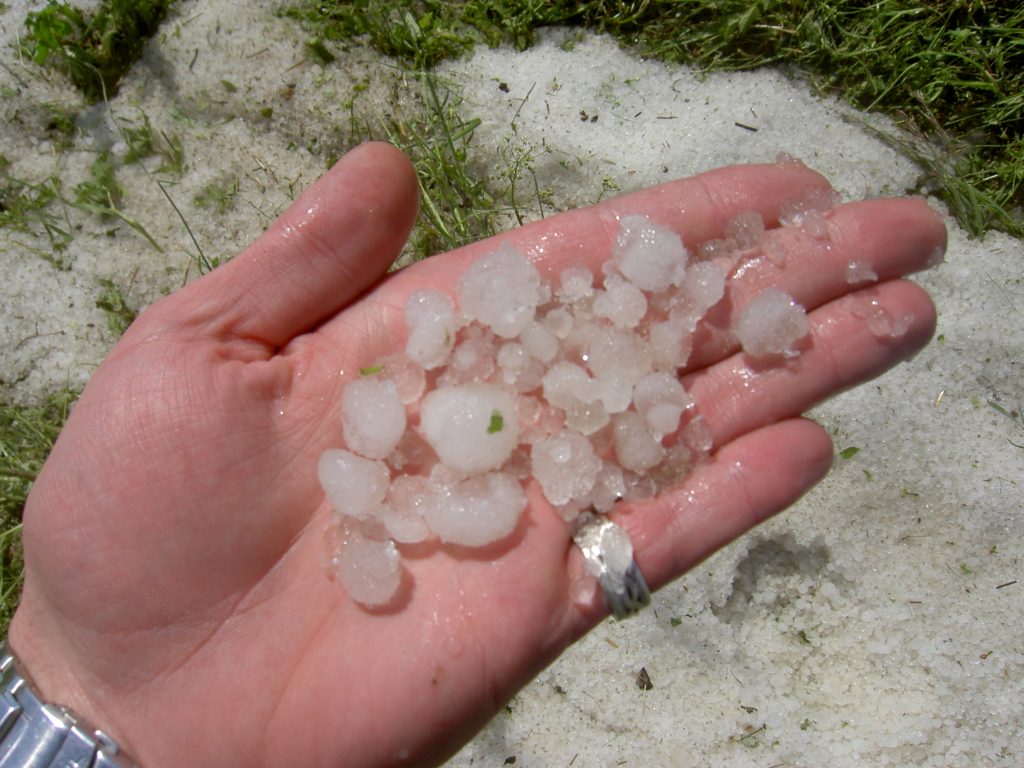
(849, 453)
(497, 422)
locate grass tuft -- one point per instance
(97, 49)
(27, 434)
(455, 206)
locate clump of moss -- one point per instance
(94, 49)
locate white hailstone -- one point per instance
(430, 317)
(669, 343)
(512, 359)
(520, 371)
(615, 391)
(649, 255)
(537, 419)
(697, 435)
(566, 383)
(813, 203)
(559, 322)
(353, 485)
(745, 229)
(771, 324)
(618, 360)
(471, 360)
(640, 486)
(576, 283)
(661, 400)
(565, 466)
(472, 427)
(370, 570)
(586, 418)
(540, 341)
(500, 290)
(635, 447)
(477, 511)
(703, 288)
(404, 515)
(400, 525)
(621, 302)
(882, 324)
(617, 353)
(609, 488)
(773, 248)
(372, 416)
(859, 272)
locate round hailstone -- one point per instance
(649, 255)
(472, 427)
(500, 290)
(471, 360)
(635, 446)
(566, 383)
(402, 527)
(353, 485)
(661, 400)
(559, 322)
(621, 302)
(369, 570)
(618, 360)
(430, 317)
(372, 416)
(477, 511)
(576, 284)
(540, 341)
(771, 324)
(565, 466)
(703, 288)
(745, 229)
(609, 488)
(669, 343)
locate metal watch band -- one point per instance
(38, 735)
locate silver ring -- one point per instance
(608, 555)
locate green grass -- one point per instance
(455, 205)
(95, 49)
(27, 434)
(950, 71)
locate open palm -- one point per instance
(175, 593)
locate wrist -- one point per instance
(38, 734)
(51, 663)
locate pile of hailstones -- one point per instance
(572, 385)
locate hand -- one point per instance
(174, 590)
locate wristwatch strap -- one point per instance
(38, 735)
